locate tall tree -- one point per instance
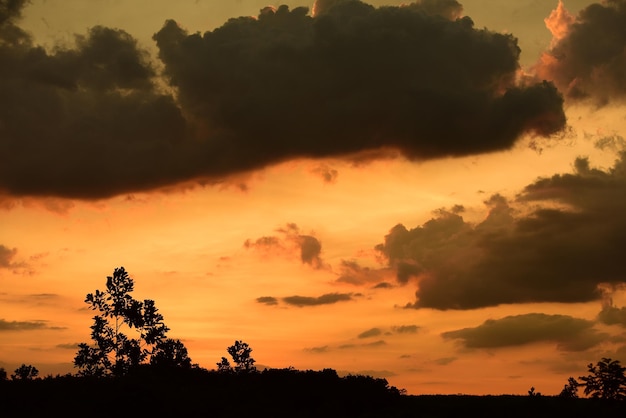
(113, 351)
(606, 380)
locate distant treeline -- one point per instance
(161, 391)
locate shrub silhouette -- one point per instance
(25, 372)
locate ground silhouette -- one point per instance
(175, 391)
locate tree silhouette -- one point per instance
(114, 352)
(3, 374)
(606, 380)
(532, 392)
(223, 366)
(25, 372)
(240, 352)
(570, 390)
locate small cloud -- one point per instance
(378, 343)
(327, 173)
(373, 332)
(351, 272)
(69, 346)
(22, 325)
(291, 241)
(406, 329)
(444, 361)
(319, 350)
(327, 299)
(610, 315)
(267, 300)
(383, 285)
(569, 333)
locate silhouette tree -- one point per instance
(170, 353)
(224, 366)
(606, 380)
(532, 392)
(25, 372)
(570, 390)
(240, 352)
(114, 352)
(3, 374)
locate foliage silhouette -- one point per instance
(25, 372)
(150, 390)
(223, 366)
(240, 352)
(532, 392)
(3, 374)
(570, 390)
(114, 352)
(606, 380)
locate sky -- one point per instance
(429, 192)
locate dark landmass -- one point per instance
(159, 392)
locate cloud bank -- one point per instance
(588, 54)
(97, 119)
(562, 249)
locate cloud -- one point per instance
(570, 334)
(610, 315)
(588, 53)
(92, 120)
(373, 332)
(7, 261)
(444, 361)
(406, 329)
(267, 300)
(292, 240)
(328, 174)
(326, 299)
(69, 346)
(560, 249)
(351, 272)
(6, 256)
(319, 350)
(6, 326)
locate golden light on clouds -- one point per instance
(373, 201)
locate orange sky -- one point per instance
(196, 246)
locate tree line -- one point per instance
(128, 334)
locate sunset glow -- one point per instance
(376, 201)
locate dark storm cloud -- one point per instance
(89, 121)
(326, 299)
(570, 334)
(354, 78)
(568, 243)
(589, 60)
(85, 122)
(21, 325)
